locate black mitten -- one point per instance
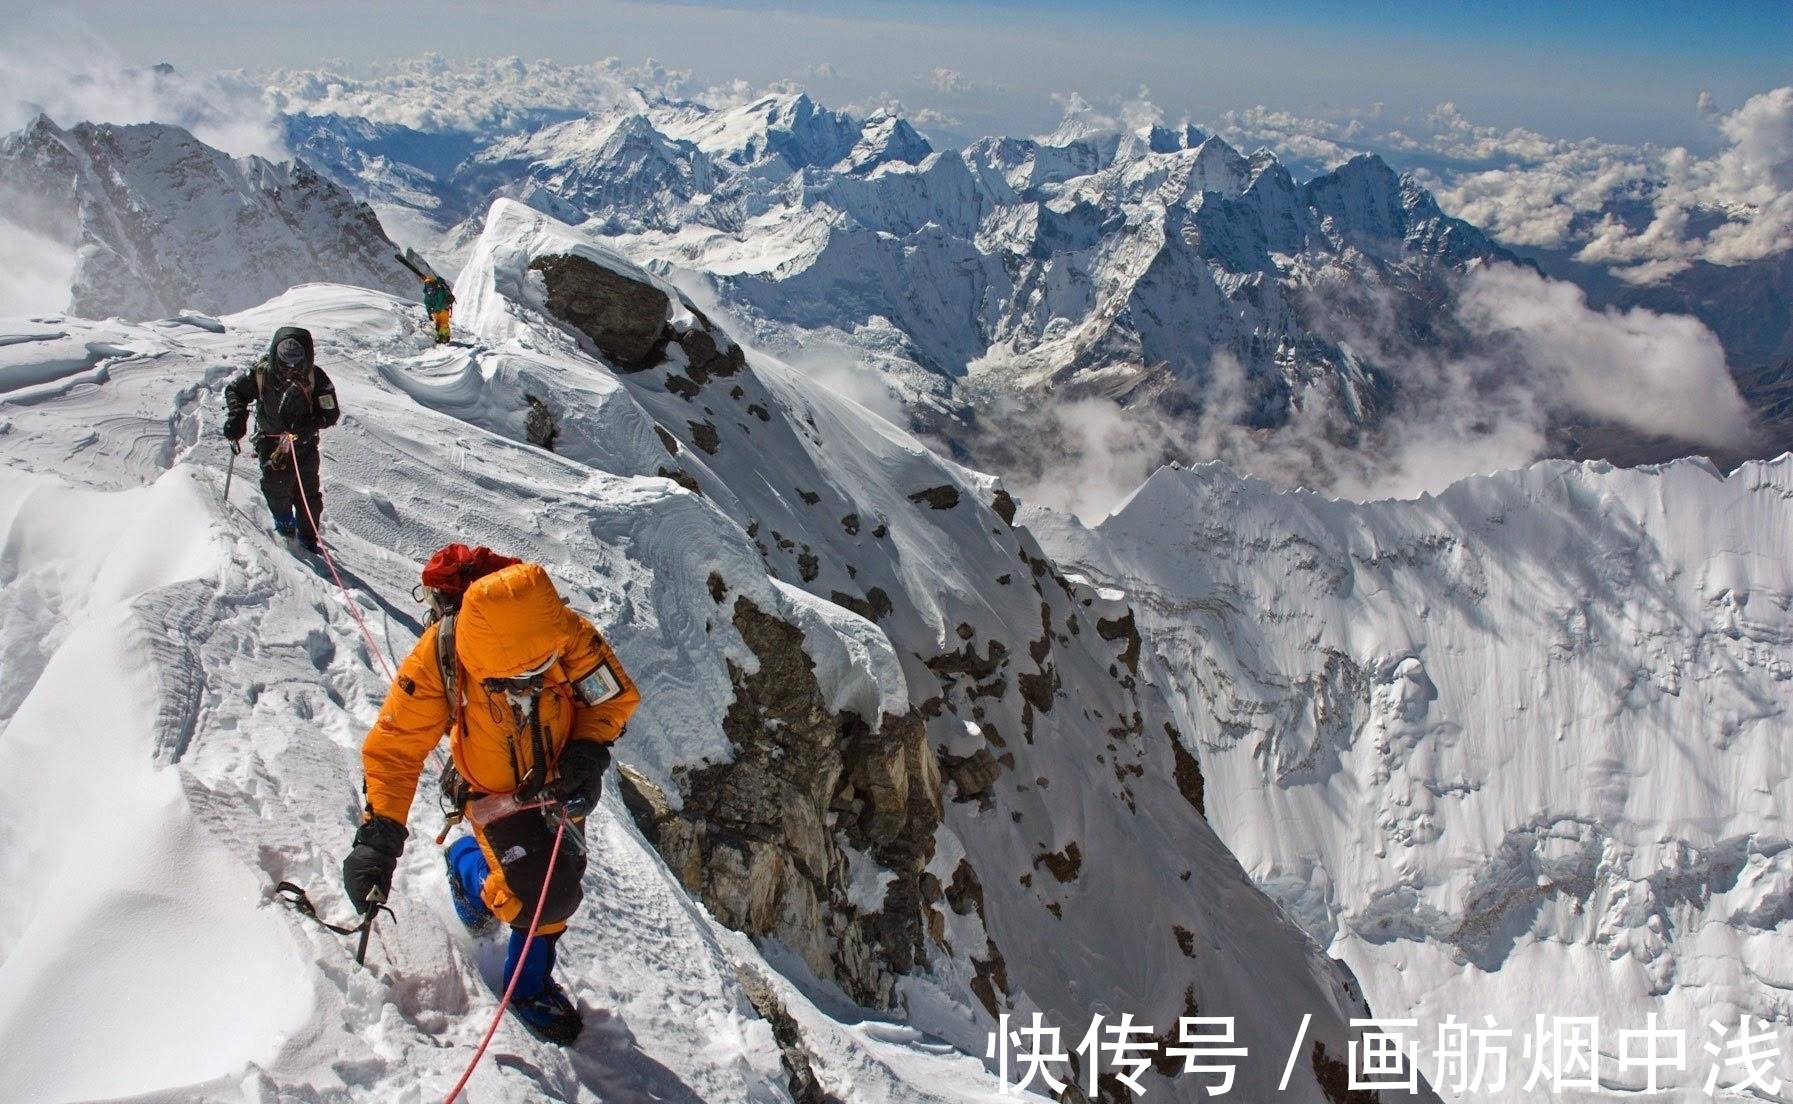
(581, 781)
(378, 844)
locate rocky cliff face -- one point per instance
(783, 840)
(162, 221)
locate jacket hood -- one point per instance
(512, 621)
(304, 337)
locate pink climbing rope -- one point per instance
(517, 971)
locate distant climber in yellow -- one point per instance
(438, 300)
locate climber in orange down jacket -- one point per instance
(538, 698)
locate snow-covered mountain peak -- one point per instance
(885, 138)
(1161, 139)
(788, 128)
(1081, 122)
(163, 221)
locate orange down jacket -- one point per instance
(511, 621)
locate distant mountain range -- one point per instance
(983, 288)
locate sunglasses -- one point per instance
(526, 682)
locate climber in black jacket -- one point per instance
(293, 400)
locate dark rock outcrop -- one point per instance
(624, 318)
(761, 840)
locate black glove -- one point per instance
(235, 426)
(378, 844)
(581, 781)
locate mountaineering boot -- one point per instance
(287, 526)
(466, 877)
(550, 1014)
(309, 542)
(538, 999)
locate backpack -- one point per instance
(446, 578)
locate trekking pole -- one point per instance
(231, 468)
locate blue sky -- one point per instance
(1630, 71)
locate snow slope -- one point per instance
(1521, 748)
(192, 698)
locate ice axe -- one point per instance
(230, 469)
(296, 898)
(374, 900)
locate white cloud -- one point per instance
(1732, 208)
(1099, 453)
(950, 80)
(1081, 119)
(1585, 195)
(1655, 373)
(38, 274)
(1530, 358)
(431, 94)
(73, 78)
(1140, 112)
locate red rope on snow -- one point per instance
(517, 971)
(324, 550)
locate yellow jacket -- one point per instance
(511, 621)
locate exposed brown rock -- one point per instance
(624, 318)
(680, 476)
(798, 1059)
(966, 661)
(1004, 506)
(1064, 864)
(973, 774)
(1038, 689)
(1334, 1077)
(943, 497)
(1187, 772)
(1185, 939)
(703, 358)
(756, 838)
(1123, 628)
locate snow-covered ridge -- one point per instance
(1530, 728)
(822, 544)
